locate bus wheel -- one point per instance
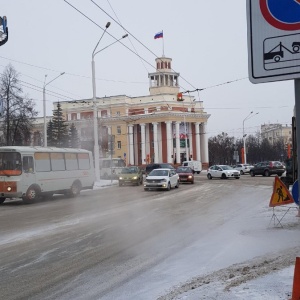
(75, 189)
(2, 199)
(32, 194)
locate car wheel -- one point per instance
(242, 172)
(177, 185)
(198, 172)
(74, 190)
(169, 186)
(223, 176)
(237, 177)
(252, 174)
(279, 174)
(2, 199)
(209, 176)
(33, 194)
(266, 173)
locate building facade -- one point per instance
(160, 127)
(277, 132)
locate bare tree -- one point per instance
(17, 110)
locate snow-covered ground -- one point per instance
(265, 277)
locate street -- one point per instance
(125, 243)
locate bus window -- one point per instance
(57, 161)
(28, 166)
(42, 161)
(84, 161)
(71, 161)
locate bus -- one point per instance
(111, 167)
(32, 173)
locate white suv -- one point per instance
(243, 168)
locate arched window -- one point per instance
(169, 65)
(166, 65)
(157, 65)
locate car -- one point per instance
(243, 168)
(186, 174)
(153, 166)
(222, 171)
(268, 168)
(131, 175)
(161, 179)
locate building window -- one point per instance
(157, 65)
(118, 113)
(119, 144)
(119, 130)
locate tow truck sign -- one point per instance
(273, 40)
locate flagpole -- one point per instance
(163, 43)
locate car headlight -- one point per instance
(190, 176)
(120, 178)
(135, 177)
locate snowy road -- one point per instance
(199, 241)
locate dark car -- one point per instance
(151, 167)
(268, 168)
(186, 174)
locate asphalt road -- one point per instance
(87, 247)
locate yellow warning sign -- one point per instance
(281, 194)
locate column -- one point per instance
(204, 143)
(155, 142)
(131, 157)
(198, 153)
(143, 143)
(177, 135)
(190, 139)
(169, 142)
(110, 146)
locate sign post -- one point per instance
(274, 47)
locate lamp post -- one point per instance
(244, 135)
(44, 105)
(96, 139)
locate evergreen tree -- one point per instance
(50, 134)
(60, 128)
(73, 137)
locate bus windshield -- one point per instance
(10, 163)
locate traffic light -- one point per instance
(179, 97)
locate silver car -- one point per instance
(243, 168)
(222, 171)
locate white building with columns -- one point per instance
(145, 129)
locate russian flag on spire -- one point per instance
(159, 35)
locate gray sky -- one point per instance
(207, 41)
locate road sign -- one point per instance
(281, 194)
(273, 40)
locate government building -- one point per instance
(164, 126)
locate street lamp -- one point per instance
(96, 139)
(44, 105)
(244, 135)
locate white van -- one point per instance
(195, 165)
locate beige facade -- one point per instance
(152, 128)
(276, 132)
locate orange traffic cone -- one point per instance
(296, 285)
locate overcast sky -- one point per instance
(207, 41)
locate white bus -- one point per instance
(31, 173)
(111, 167)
